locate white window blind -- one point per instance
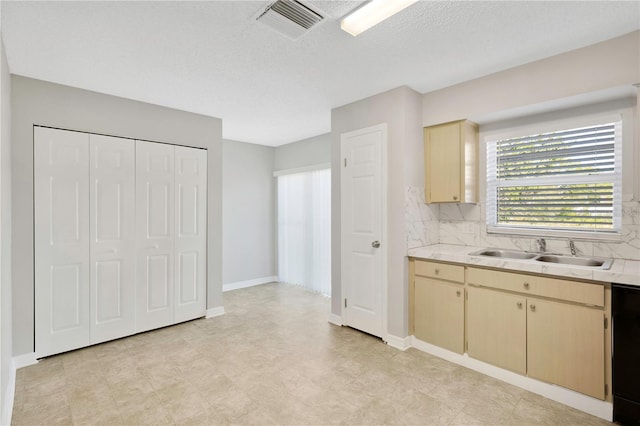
(304, 230)
(566, 179)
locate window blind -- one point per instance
(567, 179)
(304, 230)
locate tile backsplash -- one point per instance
(464, 224)
(422, 220)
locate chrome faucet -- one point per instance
(542, 245)
(572, 247)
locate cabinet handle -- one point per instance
(533, 308)
(526, 285)
(458, 293)
(437, 271)
(519, 305)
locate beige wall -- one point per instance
(5, 237)
(47, 104)
(303, 153)
(248, 212)
(400, 109)
(604, 65)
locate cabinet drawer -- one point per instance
(443, 271)
(579, 292)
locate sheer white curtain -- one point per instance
(304, 230)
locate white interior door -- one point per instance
(61, 204)
(112, 195)
(191, 232)
(155, 230)
(362, 154)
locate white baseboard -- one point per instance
(249, 283)
(215, 312)
(7, 403)
(335, 319)
(402, 343)
(579, 401)
(24, 360)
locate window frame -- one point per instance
(491, 181)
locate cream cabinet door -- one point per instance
(442, 163)
(155, 212)
(496, 328)
(61, 228)
(566, 345)
(191, 232)
(112, 220)
(439, 313)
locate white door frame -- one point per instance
(382, 127)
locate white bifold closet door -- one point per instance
(191, 232)
(155, 229)
(120, 237)
(84, 239)
(61, 214)
(112, 254)
(171, 231)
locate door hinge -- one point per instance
(345, 162)
(345, 302)
(606, 389)
(606, 323)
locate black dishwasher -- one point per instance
(626, 354)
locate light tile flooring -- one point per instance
(271, 359)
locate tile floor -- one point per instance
(271, 359)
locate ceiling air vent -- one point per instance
(290, 17)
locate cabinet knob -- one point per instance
(458, 293)
(455, 197)
(526, 285)
(519, 305)
(437, 271)
(533, 308)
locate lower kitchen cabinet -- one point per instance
(566, 345)
(551, 341)
(439, 313)
(549, 329)
(497, 328)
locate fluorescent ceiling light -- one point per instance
(372, 14)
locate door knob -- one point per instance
(375, 244)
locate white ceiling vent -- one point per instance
(290, 17)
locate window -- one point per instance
(563, 180)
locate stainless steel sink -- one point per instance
(575, 261)
(585, 262)
(507, 254)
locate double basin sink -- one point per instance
(589, 262)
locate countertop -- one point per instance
(621, 272)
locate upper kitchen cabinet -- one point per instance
(451, 162)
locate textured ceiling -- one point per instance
(213, 58)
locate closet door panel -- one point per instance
(191, 232)
(155, 235)
(112, 177)
(61, 214)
